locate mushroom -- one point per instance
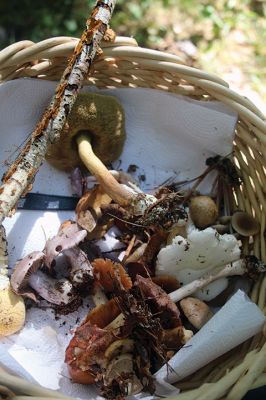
(121, 370)
(119, 347)
(68, 236)
(196, 311)
(95, 135)
(201, 252)
(55, 291)
(26, 275)
(203, 211)
(81, 274)
(248, 265)
(22, 272)
(244, 224)
(12, 307)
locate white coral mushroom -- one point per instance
(202, 252)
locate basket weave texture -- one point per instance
(124, 64)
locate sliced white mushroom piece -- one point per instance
(121, 370)
(119, 347)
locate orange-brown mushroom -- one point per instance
(106, 270)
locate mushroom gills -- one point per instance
(55, 291)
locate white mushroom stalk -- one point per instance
(20, 175)
(239, 267)
(121, 194)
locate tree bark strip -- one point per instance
(19, 177)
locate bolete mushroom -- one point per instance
(12, 307)
(95, 135)
(203, 211)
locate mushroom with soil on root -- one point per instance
(28, 275)
(95, 135)
(12, 307)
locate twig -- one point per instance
(20, 175)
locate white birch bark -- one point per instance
(19, 177)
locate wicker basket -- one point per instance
(124, 64)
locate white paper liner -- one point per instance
(167, 136)
(238, 320)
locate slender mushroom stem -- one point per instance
(20, 175)
(239, 267)
(114, 189)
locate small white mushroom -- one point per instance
(121, 369)
(196, 311)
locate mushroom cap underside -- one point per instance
(102, 118)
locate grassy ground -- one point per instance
(223, 36)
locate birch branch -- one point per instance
(19, 177)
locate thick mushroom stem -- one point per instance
(114, 189)
(138, 202)
(237, 268)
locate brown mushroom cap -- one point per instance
(102, 117)
(203, 211)
(244, 224)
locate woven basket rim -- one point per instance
(118, 66)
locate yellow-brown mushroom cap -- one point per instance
(245, 224)
(102, 118)
(12, 312)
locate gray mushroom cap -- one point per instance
(22, 272)
(68, 236)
